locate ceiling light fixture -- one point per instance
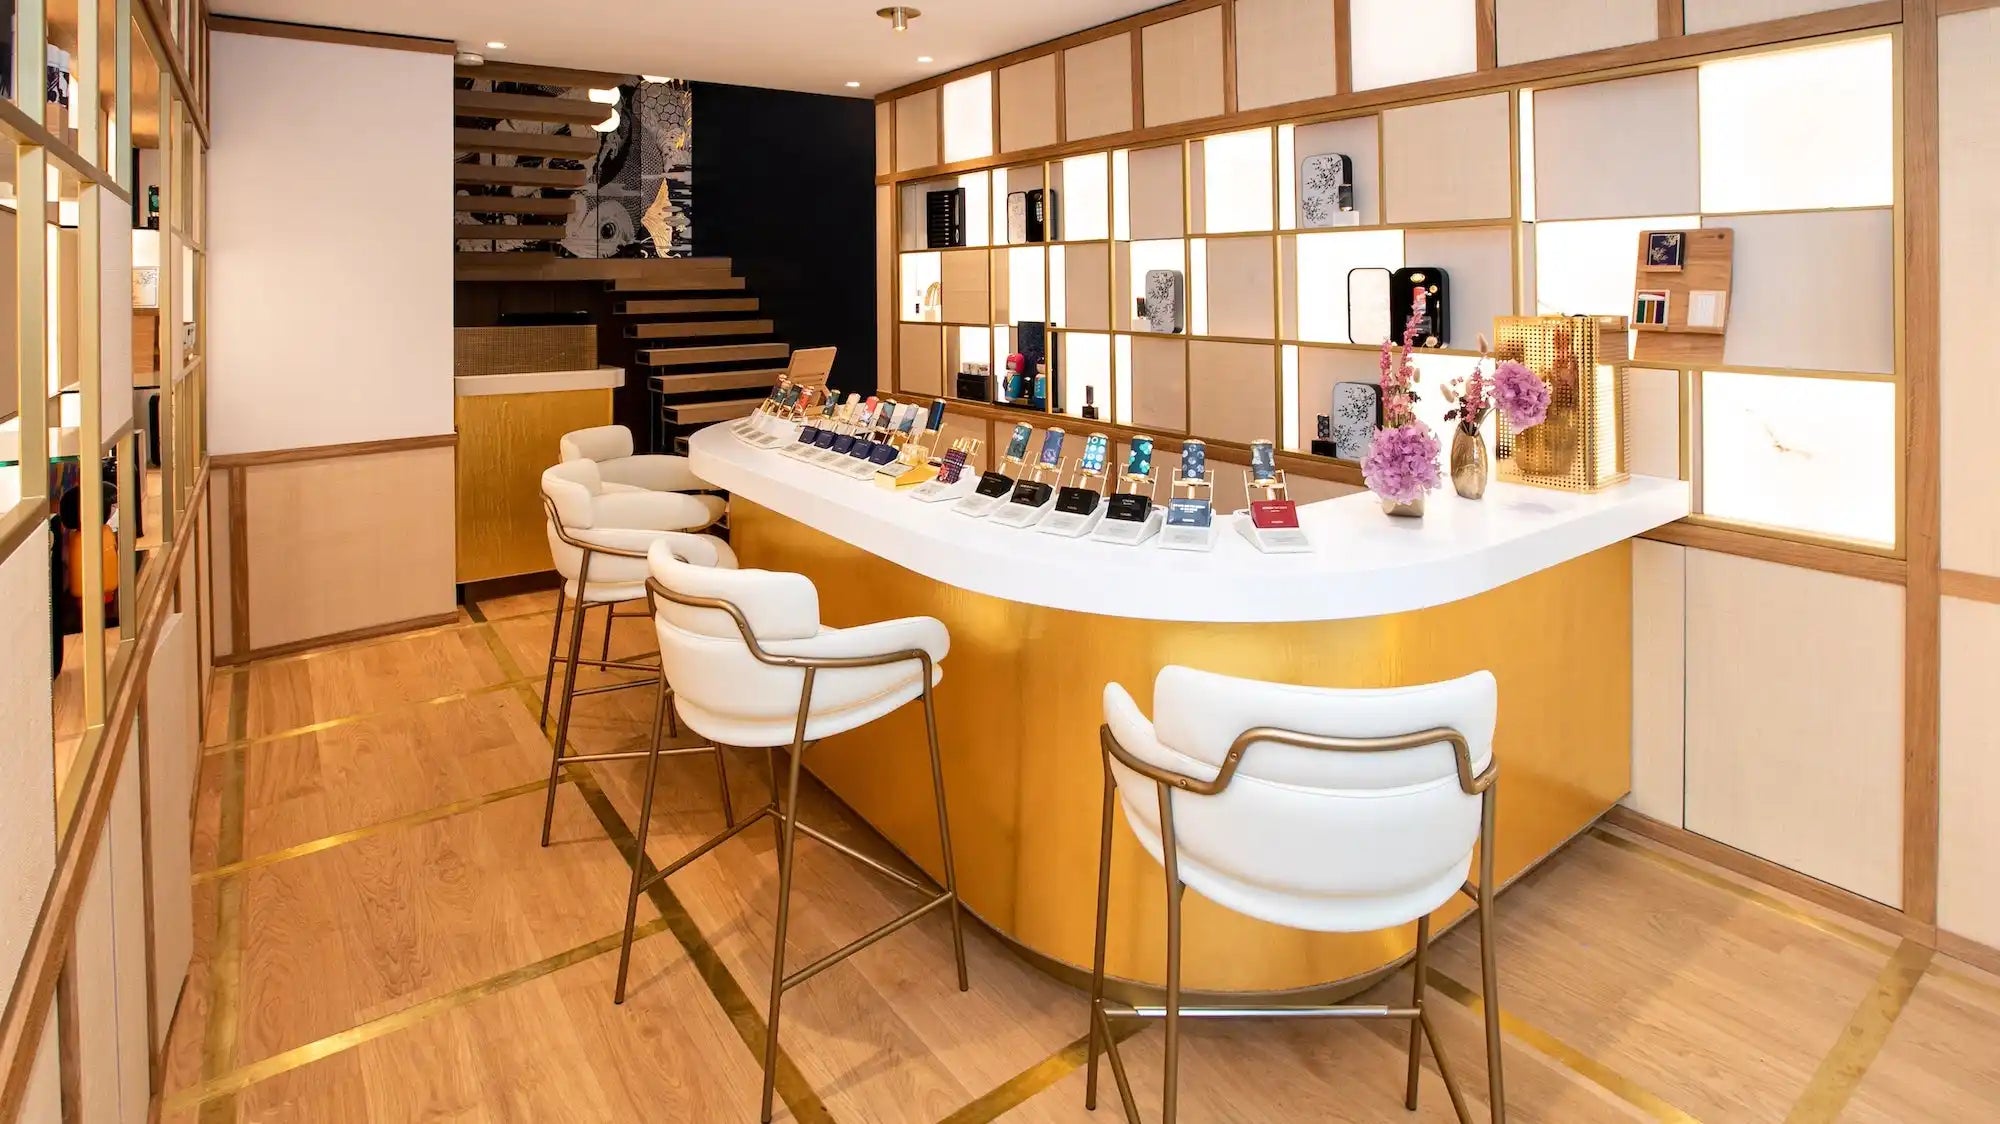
(899, 17)
(654, 78)
(604, 97)
(854, 85)
(496, 45)
(925, 58)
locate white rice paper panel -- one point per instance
(1157, 384)
(1028, 104)
(1449, 160)
(1968, 164)
(1086, 363)
(1237, 292)
(1709, 15)
(1789, 130)
(1545, 29)
(1284, 51)
(1480, 266)
(1659, 680)
(1232, 173)
(968, 118)
(917, 130)
(1087, 286)
(1778, 764)
(1615, 149)
(1969, 773)
(1655, 421)
(1815, 290)
(1587, 268)
(1154, 179)
(1813, 455)
(1387, 51)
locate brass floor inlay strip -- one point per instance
(1841, 1071)
(1038, 1078)
(223, 1087)
(1747, 893)
(1565, 1055)
(226, 952)
(414, 819)
(323, 725)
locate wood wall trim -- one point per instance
(1954, 7)
(370, 632)
(234, 461)
(493, 69)
(1673, 18)
(42, 961)
(1921, 500)
(1343, 46)
(1786, 552)
(1593, 64)
(239, 564)
(1971, 587)
(1771, 874)
(1485, 29)
(160, 33)
(1228, 56)
(32, 132)
(318, 33)
(1982, 956)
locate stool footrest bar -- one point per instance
(866, 860)
(581, 691)
(1344, 1011)
(859, 943)
(714, 841)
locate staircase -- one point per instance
(544, 141)
(699, 341)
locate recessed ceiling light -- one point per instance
(496, 45)
(854, 85)
(924, 58)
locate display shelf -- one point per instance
(1006, 182)
(1131, 262)
(1020, 284)
(919, 271)
(977, 216)
(1086, 362)
(1314, 269)
(1230, 183)
(1083, 187)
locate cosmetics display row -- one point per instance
(895, 445)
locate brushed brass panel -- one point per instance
(1020, 706)
(504, 443)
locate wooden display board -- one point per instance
(1680, 304)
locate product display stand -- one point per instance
(1272, 522)
(1190, 523)
(1079, 507)
(1130, 515)
(994, 489)
(1033, 498)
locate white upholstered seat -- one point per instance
(1330, 810)
(1310, 839)
(621, 470)
(627, 521)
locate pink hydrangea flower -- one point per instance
(1520, 394)
(1402, 463)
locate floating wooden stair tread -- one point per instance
(476, 259)
(688, 305)
(519, 177)
(545, 75)
(694, 283)
(760, 379)
(512, 205)
(529, 107)
(717, 353)
(691, 329)
(703, 413)
(511, 231)
(531, 144)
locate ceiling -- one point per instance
(813, 45)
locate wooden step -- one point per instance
(761, 379)
(703, 413)
(696, 304)
(477, 259)
(512, 205)
(691, 329)
(529, 107)
(530, 144)
(715, 353)
(519, 177)
(692, 283)
(546, 75)
(510, 232)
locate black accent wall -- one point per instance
(784, 184)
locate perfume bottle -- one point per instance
(1040, 396)
(153, 207)
(1090, 403)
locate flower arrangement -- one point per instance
(1402, 461)
(1520, 394)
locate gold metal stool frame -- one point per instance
(1166, 781)
(786, 822)
(557, 759)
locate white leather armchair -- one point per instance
(752, 666)
(621, 470)
(1318, 809)
(598, 541)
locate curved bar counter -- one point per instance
(1531, 584)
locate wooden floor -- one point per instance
(381, 939)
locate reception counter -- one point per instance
(1532, 585)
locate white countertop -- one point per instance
(540, 382)
(1364, 563)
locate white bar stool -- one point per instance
(598, 540)
(751, 666)
(1328, 810)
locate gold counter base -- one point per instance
(1021, 702)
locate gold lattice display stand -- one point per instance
(1584, 445)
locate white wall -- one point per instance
(330, 252)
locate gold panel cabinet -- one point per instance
(1021, 702)
(505, 441)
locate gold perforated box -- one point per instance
(1584, 446)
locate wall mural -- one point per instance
(638, 199)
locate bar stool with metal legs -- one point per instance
(752, 667)
(609, 449)
(1329, 810)
(598, 541)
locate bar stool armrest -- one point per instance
(659, 472)
(906, 638)
(650, 511)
